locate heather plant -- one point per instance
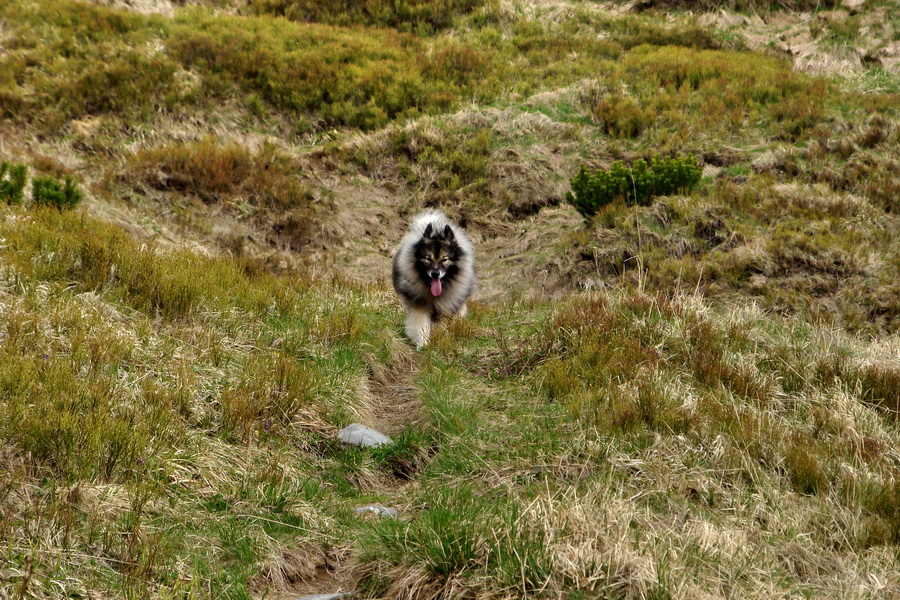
(12, 182)
(48, 191)
(623, 117)
(637, 184)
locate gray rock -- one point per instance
(377, 509)
(326, 596)
(360, 435)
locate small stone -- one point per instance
(360, 435)
(378, 509)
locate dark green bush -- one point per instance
(637, 184)
(48, 191)
(12, 182)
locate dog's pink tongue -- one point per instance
(436, 287)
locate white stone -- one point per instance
(378, 509)
(360, 435)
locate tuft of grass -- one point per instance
(81, 59)
(407, 455)
(460, 540)
(804, 468)
(622, 116)
(356, 78)
(266, 185)
(271, 393)
(359, 78)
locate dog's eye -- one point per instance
(445, 259)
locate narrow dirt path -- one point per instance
(391, 404)
(394, 399)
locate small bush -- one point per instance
(12, 182)
(635, 185)
(623, 116)
(48, 191)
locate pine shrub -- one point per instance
(637, 184)
(48, 191)
(12, 182)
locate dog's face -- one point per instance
(436, 255)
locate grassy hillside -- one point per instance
(694, 398)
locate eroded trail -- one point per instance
(393, 399)
(391, 403)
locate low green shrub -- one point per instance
(12, 182)
(637, 184)
(49, 191)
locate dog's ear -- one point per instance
(448, 233)
(427, 231)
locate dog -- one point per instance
(433, 273)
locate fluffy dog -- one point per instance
(434, 273)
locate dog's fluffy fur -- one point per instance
(434, 273)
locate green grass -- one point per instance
(122, 379)
(176, 446)
(613, 379)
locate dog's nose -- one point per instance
(435, 274)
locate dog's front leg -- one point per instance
(418, 327)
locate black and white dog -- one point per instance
(434, 273)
